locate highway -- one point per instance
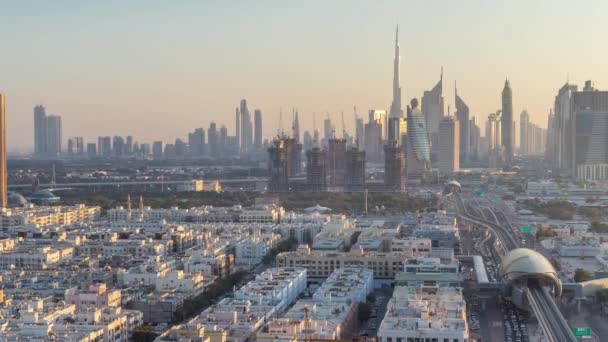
(549, 316)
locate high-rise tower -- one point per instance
(246, 128)
(395, 111)
(449, 145)
(237, 128)
(53, 136)
(257, 141)
(40, 131)
(432, 108)
(296, 126)
(418, 156)
(3, 174)
(524, 124)
(507, 122)
(462, 115)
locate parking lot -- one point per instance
(516, 329)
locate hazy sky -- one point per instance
(158, 69)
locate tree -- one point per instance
(371, 297)
(144, 333)
(365, 311)
(582, 275)
(602, 296)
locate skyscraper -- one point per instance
(246, 128)
(474, 139)
(551, 148)
(71, 146)
(564, 132)
(3, 171)
(118, 146)
(418, 148)
(590, 109)
(40, 128)
(307, 141)
(433, 110)
(104, 146)
(196, 142)
(328, 130)
(128, 146)
(524, 122)
(237, 128)
(213, 140)
(396, 111)
(53, 136)
(494, 136)
(258, 129)
(462, 115)
(79, 146)
(91, 150)
(296, 126)
(157, 149)
(507, 122)
(449, 145)
(359, 131)
(224, 141)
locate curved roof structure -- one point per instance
(43, 194)
(317, 209)
(454, 183)
(15, 199)
(523, 263)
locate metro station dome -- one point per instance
(522, 264)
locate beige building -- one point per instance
(47, 216)
(320, 264)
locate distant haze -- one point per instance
(158, 69)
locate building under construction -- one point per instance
(354, 172)
(394, 167)
(284, 162)
(278, 166)
(336, 154)
(316, 170)
(294, 151)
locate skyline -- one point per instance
(249, 58)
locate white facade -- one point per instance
(415, 314)
(276, 286)
(346, 284)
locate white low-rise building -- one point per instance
(252, 249)
(32, 257)
(276, 286)
(346, 284)
(421, 314)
